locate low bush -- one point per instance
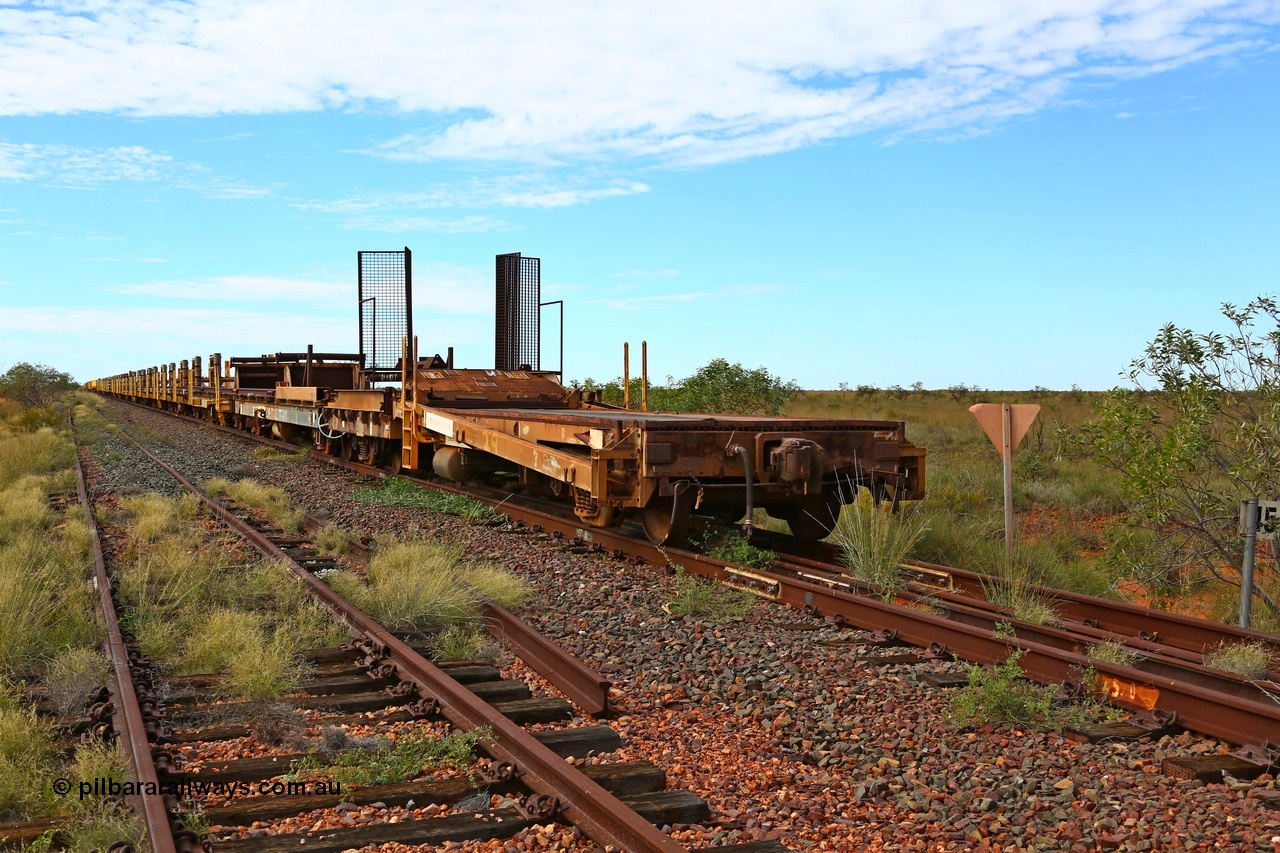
(1000, 694)
(695, 597)
(393, 762)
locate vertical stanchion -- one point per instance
(1006, 453)
(1250, 550)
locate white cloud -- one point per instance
(671, 82)
(80, 166)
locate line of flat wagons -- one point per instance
(526, 431)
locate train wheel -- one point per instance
(348, 448)
(666, 519)
(815, 516)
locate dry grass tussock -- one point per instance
(193, 611)
(46, 604)
(26, 759)
(1252, 660)
(39, 452)
(1014, 587)
(271, 501)
(874, 541)
(421, 586)
(74, 676)
(258, 660)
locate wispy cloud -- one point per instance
(398, 211)
(435, 225)
(245, 288)
(637, 303)
(647, 274)
(70, 165)
(683, 83)
(88, 168)
(438, 288)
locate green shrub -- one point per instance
(457, 642)
(695, 597)
(1000, 694)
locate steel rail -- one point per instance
(128, 721)
(1063, 633)
(1120, 618)
(1155, 660)
(599, 814)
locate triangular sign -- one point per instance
(990, 418)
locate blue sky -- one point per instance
(999, 194)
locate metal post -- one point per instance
(644, 375)
(560, 364)
(1250, 552)
(1006, 449)
(626, 375)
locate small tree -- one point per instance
(718, 387)
(1191, 452)
(724, 388)
(34, 385)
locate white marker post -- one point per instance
(1006, 425)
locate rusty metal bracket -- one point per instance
(424, 707)
(385, 669)
(492, 770)
(836, 619)
(1149, 636)
(937, 651)
(1155, 719)
(1263, 754)
(539, 806)
(402, 689)
(883, 637)
(1070, 691)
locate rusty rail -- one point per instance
(128, 721)
(567, 791)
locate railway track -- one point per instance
(1169, 677)
(592, 542)
(616, 805)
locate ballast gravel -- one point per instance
(787, 730)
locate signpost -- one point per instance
(1006, 425)
(1258, 520)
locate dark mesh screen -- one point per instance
(386, 309)
(519, 290)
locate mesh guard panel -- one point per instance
(386, 309)
(517, 339)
